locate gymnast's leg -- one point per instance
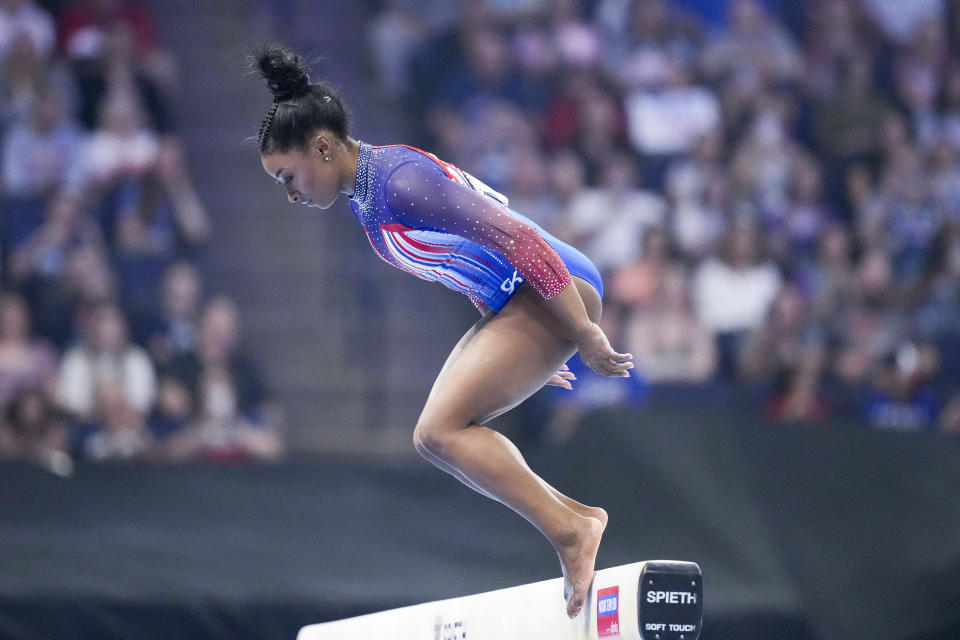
(508, 357)
(582, 509)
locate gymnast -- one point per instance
(539, 298)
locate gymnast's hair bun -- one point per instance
(285, 72)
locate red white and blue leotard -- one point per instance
(439, 223)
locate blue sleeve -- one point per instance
(424, 196)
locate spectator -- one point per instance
(37, 432)
(23, 18)
(950, 416)
(829, 280)
(40, 152)
(755, 51)
(577, 41)
(948, 111)
(667, 340)
(901, 21)
(733, 292)
(868, 325)
(106, 359)
(115, 431)
(910, 220)
(668, 115)
(918, 73)
(566, 179)
(223, 433)
(639, 282)
(116, 70)
(945, 180)
(645, 39)
(63, 300)
(901, 396)
(121, 147)
(487, 74)
(393, 37)
(800, 396)
(845, 125)
(173, 412)
(174, 333)
(938, 292)
(784, 344)
(837, 31)
(795, 227)
(529, 190)
(607, 223)
(43, 255)
(218, 348)
(236, 420)
(698, 192)
(23, 74)
(586, 117)
(764, 162)
(85, 28)
(25, 362)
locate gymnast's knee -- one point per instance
(431, 440)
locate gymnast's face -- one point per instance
(311, 176)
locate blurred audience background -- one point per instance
(110, 347)
(771, 188)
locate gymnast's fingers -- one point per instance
(613, 369)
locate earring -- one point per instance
(326, 158)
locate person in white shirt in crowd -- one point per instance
(105, 358)
(667, 114)
(608, 222)
(121, 146)
(733, 291)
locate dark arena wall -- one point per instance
(802, 533)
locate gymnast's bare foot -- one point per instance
(577, 559)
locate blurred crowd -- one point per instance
(770, 188)
(110, 347)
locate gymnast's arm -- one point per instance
(427, 199)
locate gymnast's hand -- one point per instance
(596, 353)
(562, 378)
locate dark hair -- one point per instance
(300, 106)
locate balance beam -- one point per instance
(653, 600)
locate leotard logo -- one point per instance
(510, 284)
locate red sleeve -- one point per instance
(424, 197)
